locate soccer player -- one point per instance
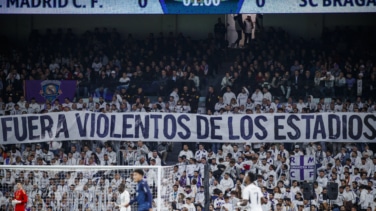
(20, 198)
(124, 198)
(143, 194)
(251, 194)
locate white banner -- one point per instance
(302, 168)
(80, 125)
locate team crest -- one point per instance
(50, 90)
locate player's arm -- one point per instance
(149, 197)
(245, 198)
(125, 196)
(131, 202)
(243, 202)
(24, 197)
(261, 196)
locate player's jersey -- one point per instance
(253, 195)
(143, 195)
(124, 199)
(21, 196)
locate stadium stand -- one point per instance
(167, 73)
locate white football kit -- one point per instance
(253, 195)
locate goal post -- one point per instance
(87, 188)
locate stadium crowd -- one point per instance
(353, 171)
(276, 73)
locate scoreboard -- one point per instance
(184, 6)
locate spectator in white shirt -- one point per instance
(243, 96)
(366, 198)
(283, 152)
(111, 154)
(87, 152)
(328, 159)
(219, 202)
(363, 179)
(265, 204)
(219, 105)
(201, 153)
(226, 81)
(75, 154)
(10, 105)
(228, 95)
(71, 159)
(106, 160)
(174, 95)
(186, 152)
(47, 155)
(227, 148)
(297, 151)
(263, 167)
(257, 96)
(301, 105)
(96, 65)
(35, 107)
(227, 183)
(235, 152)
(116, 181)
(15, 152)
(349, 197)
(154, 155)
(214, 186)
(189, 205)
(267, 95)
(227, 205)
(141, 162)
(367, 150)
(271, 172)
(55, 146)
(22, 102)
(320, 154)
(99, 153)
(67, 103)
(271, 183)
(16, 110)
(295, 188)
(364, 165)
(142, 149)
(200, 197)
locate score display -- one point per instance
(184, 6)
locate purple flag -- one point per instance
(50, 90)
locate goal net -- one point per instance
(86, 188)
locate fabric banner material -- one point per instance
(302, 168)
(50, 90)
(82, 125)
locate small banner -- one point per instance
(50, 90)
(302, 168)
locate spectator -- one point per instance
(243, 96)
(238, 27)
(226, 81)
(186, 152)
(328, 89)
(228, 96)
(248, 27)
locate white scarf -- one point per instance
(359, 84)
